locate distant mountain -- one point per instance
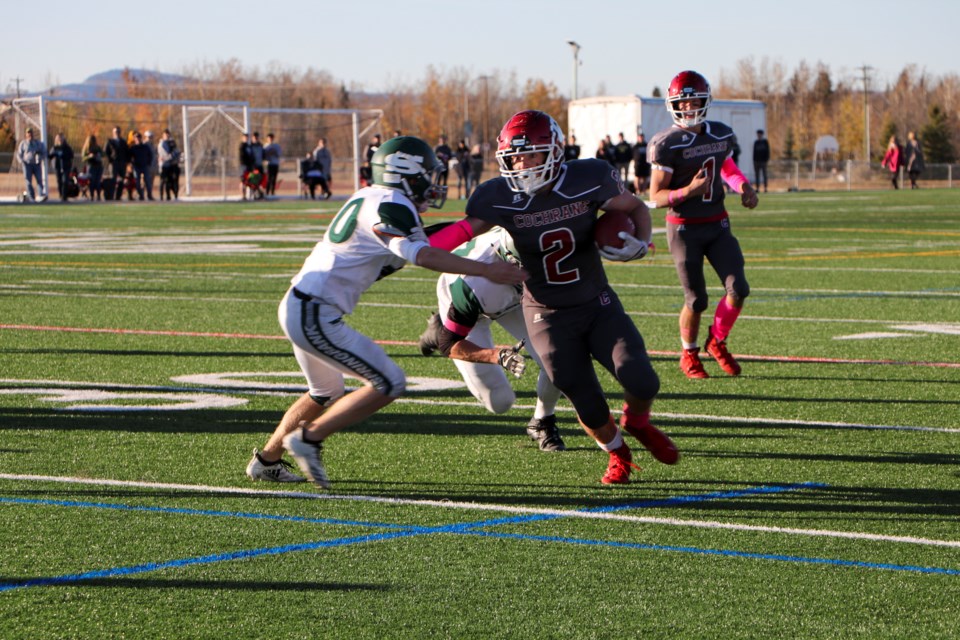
(111, 84)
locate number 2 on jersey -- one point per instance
(556, 245)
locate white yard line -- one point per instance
(477, 506)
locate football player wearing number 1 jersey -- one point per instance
(690, 162)
(572, 315)
(375, 233)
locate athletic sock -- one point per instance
(724, 319)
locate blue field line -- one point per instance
(202, 512)
(646, 504)
(466, 528)
(720, 552)
(208, 559)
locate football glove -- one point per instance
(511, 360)
(633, 249)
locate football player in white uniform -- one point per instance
(469, 305)
(375, 233)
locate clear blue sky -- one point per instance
(627, 46)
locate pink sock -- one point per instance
(724, 319)
(634, 418)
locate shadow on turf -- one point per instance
(213, 585)
(141, 352)
(473, 423)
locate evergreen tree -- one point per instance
(935, 137)
(788, 143)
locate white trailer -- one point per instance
(592, 119)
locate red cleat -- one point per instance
(718, 350)
(655, 441)
(690, 363)
(618, 471)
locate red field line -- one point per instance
(405, 343)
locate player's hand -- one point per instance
(505, 273)
(417, 234)
(749, 197)
(511, 360)
(633, 249)
(700, 184)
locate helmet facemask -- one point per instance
(530, 180)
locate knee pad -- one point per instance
(697, 301)
(501, 400)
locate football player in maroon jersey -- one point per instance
(690, 161)
(572, 315)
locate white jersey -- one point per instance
(475, 296)
(377, 229)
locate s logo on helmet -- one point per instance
(399, 164)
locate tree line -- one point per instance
(802, 104)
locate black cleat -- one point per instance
(544, 432)
(430, 339)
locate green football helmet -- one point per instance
(409, 165)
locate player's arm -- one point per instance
(452, 236)
(398, 229)
(732, 175)
(634, 246)
(661, 193)
(451, 341)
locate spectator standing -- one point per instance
(245, 158)
(641, 167)
(444, 153)
(698, 226)
(462, 154)
(913, 156)
(476, 169)
(168, 155)
(141, 154)
(571, 150)
(761, 156)
(622, 155)
(32, 155)
(92, 154)
(62, 155)
(604, 152)
(256, 149)
(152, 165)
(324, 160)
(118, 155)
(271, 156)
(892, 160)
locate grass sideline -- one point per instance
(141, 361)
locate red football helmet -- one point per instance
(688, 85)
(525, 133)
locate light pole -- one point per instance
(486, 112)
(576, 64)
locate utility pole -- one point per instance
(486, 113)
(866, 111)
(576, 65)
(18, 80)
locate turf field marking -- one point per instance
(461, 529)
(405, 343)
(476, 506)
(416, 384)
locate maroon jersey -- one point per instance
(683, 153)
(553, 230)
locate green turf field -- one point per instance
(816, 497)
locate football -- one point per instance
(609, 225)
